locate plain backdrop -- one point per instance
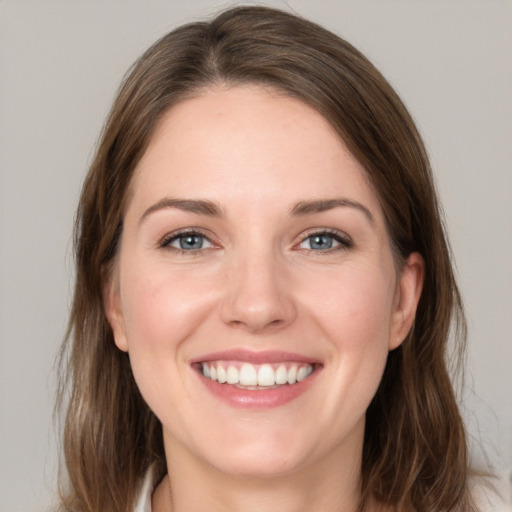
(61, 62)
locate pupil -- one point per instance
(321, 242)
(191, 242)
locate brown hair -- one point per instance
(415, 453)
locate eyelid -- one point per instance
(341, 237)
(344, 240)
(163, 243)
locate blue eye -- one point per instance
(187, 242)
(324, 242)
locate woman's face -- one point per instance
(255, 289)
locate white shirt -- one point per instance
(144, 501)
(148, 485)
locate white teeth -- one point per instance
(292, 375)
(265, 375)
(232, 375)
(281, 375)
(248, 375)
(221, 374)
(303, 372)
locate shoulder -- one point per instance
(488, 499)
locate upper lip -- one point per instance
(255, 357)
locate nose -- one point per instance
(258, 297)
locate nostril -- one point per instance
(255, 326)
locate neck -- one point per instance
(331, 484)
(229, 494)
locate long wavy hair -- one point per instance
(415, 452)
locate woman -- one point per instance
(264, 291)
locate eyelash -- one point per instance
(171, 237)
(344, 241)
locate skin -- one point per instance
(257, 284)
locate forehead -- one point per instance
(247, 143)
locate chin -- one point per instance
(267, 452)
(250, 452)
(257, 464)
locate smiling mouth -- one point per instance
(255, 377)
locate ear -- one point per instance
(407, 296)
(113, 310)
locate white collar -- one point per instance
(143, 503)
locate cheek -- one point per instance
(355, 305)
(352, 309)
(162, 312)
(161, 308)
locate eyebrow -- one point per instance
(212, 209)
(322, 205)
(198, 206)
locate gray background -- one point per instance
(60, 64)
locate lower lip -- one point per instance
(258, 399)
